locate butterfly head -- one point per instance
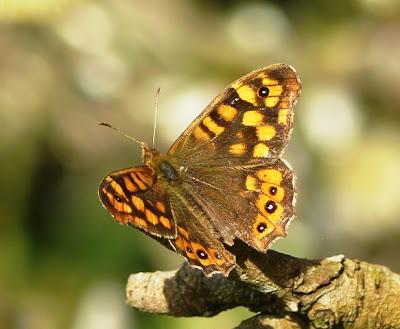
(148, 154)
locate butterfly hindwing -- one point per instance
(134, 198)
(196, 239)
(253, 203)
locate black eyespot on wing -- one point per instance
(270, 206)
(201, 254)
(273, 190)
(263, 92)
(261, 227)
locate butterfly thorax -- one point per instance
(160, 162)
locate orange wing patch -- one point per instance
(253, 118)
(127, 195)
(211, 260)
(273, 203)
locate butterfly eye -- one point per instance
(117, 198)
(263, 92)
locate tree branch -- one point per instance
(289, 292)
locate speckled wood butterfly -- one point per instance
(222, 179)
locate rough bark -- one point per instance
(287, 292)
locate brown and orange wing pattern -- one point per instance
(250, 121)
(201, 253)
(197, 240)
(134, 198)
(253, 203)
(270, 190)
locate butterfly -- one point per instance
(223, 179)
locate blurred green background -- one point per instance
(67, 65)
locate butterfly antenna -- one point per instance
(155, 117)
(105, 124)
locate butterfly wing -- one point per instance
(231, 155)
(197, 240)
(134, 197)
(250, 121)
(253, 203)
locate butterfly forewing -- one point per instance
(134, 197)
(249, 122)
